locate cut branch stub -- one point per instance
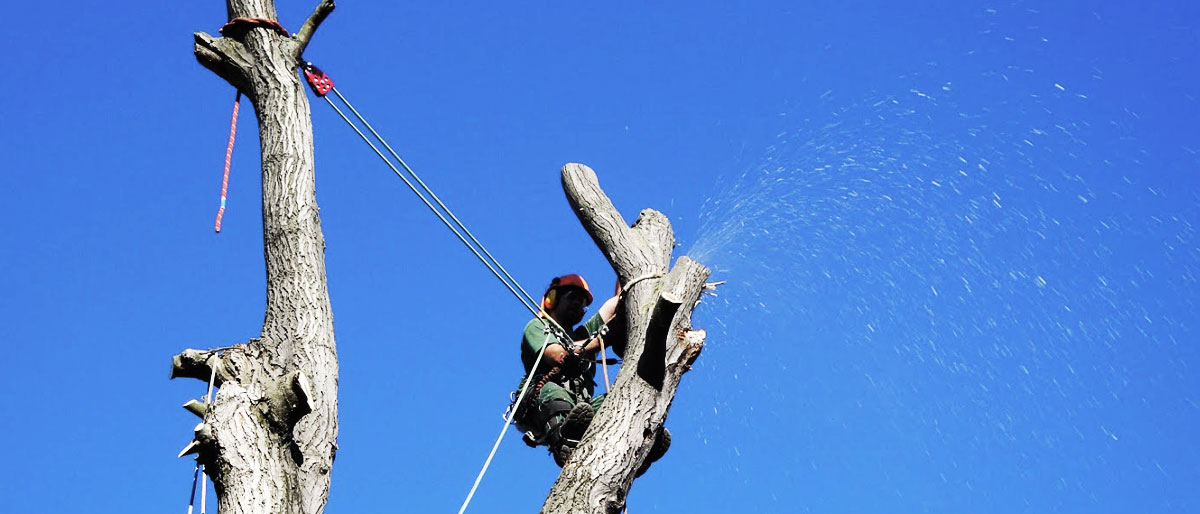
(232, 363)
(196, 407)
(225, 57)
(195, 364)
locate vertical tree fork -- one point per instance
(660, 347)
(268, 439)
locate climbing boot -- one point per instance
(562, 452)
(570, 431)
(662, 442)
(577, 421)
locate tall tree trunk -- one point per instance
(661, 347)
(268, 439)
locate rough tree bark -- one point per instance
(268, 439)
(661, 346)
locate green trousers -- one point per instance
(552, 391)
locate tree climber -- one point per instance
(561, 403)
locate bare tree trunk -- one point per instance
(268, 440)
(661, 347)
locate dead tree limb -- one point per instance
(268, 439)
(661, 346)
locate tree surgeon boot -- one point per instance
(662, 442)
(571, 431)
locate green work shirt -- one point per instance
(535, 337)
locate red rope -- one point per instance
(228, 157)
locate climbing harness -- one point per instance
(530, 416)
(228, 157)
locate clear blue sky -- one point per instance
(960, 241)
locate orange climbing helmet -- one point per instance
(571, 280)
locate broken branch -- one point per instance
(196, 407)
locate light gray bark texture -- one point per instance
(268, 440)
(661, 347)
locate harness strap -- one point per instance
(531, 400)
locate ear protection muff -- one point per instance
(551, 294)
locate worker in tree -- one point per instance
(561, 403)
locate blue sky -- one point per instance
(960, 245)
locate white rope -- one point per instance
(204, 483)
(203, 495)
(633, 282)
(195, 476)
(507, 421)
(212, 379)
